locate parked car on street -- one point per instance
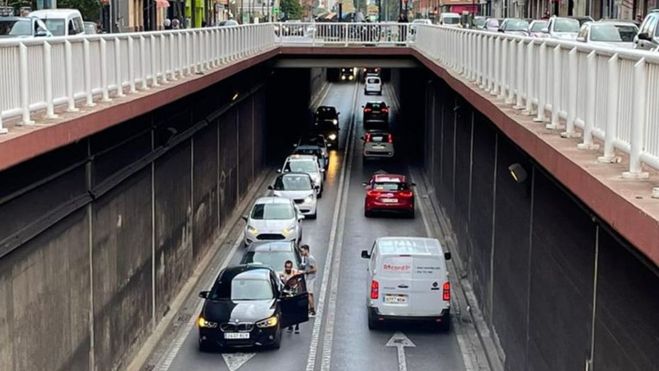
(515, 26)
(562, 28)
(538, 27)
(61, 22)
(648, 35)
(23, 27)
(449, 19)
(492, 24)
(613, 34)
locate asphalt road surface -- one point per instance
(338, 338)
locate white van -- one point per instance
(408, 280)
(61, 22)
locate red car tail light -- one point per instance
(367, 137)
(367, 110)
(385, 109)
(372, 193)
(406, 194)
(390, 138)
(446, 292)
(375, 289)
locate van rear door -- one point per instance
(395, 276)
(427, 282)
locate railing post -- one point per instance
(512, 76)
(87, 63)
(639, 99)
(48, 79)
(104, 71)
(519, 80)
(504, 79)
(542, 86)
(556, 99)
(117, 66)
(528, 99)
(143, 63)
(496, 65)
(131, 64)
(165, 66)
(573, 86)
(345, 32)
(613, 93)
(68, 61)
(591, 95)
(25, 94)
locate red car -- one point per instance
(389, 192)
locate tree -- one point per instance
(291, 9)
(90, 9)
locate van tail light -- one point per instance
(385, 109)
(446, 292)
(390, 138)
(367, 110)
(375, 289)
(405, 194)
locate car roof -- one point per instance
(377, 132)
(326, 108)
(272, 200)
(376, 102)
(390, 178)
(615, 22)
(55, 12)
(271, 246)
(299, 157)
(408, 245)
(253, 271)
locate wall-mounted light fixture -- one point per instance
(235, 96)
(518, 173)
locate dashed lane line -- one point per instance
(320, 305)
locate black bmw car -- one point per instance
(248, 306)
(327, 123)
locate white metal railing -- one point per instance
(611, 94)
(40, 74)
(347, 34)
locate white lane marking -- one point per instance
(183, 332)
(400, 341)
(235, 360)
(320, 305)
(328, 339)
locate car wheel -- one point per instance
(410, 214)
(205, 346)
(277, 343)
(445, 325)
(368, 213)
(372, 322)
(313, 216)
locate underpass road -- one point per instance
(354, 347)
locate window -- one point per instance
(306, 166)
(274, 259)
(517, 25)
(56, 26)
(373, 80)
(389, 186)
(538, 26)
(566, 25)
(293, 183)
(605, 33)
(273, 211)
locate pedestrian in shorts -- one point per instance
(309, 267)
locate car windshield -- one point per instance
(627, 32)
(274, 259)
(293, 182)
(479, 22)
(566, 25)
(605, 33)
(250, 289)
(374, 106)
(309, 151)
(538, 26)
(451, 20)
(326, 112)
(378, 137)
(305, 166)
(389, 186)
(272, 211)
(15, 28)
(517, 25)
(55, 26)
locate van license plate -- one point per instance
(395, 299)
(236, 335)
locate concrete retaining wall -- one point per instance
(99, 236)
(558, 287)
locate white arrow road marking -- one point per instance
(400, 341)
(235, 360)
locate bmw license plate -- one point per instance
(236, 335)
(390, 200)
(395, 299)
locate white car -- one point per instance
(273, 218)
(373, 85)
(608, 33)
(299, 188)
(408, 280)
(449, 19)
(305, 164)
(61, 22)
(563, 28)
(378, 144)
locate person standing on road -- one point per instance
(309, 267)
(285, 276)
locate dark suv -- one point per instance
(326, 122)
(648, 35)
(376, 115)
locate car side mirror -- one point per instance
(322, 169)
(317, 187)
(413, 184)
(643, 36)
(582, 39)
(500, 30)
(338, 113)
(203, 294)
(545, 30)
(365, 254)
(447, 255)
(278, 171)
(301, 217)
(244, 217)
(271, 188)
(295, 145)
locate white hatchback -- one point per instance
(305, 164)
(273, 218)
(408, 280)
(373, 85)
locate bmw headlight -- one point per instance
(308, 199)
(268, 322)
(251, 229)
(202, 322)
(332, 136)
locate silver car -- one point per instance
(305, 164)
(378, 144)
(299, 188)
(273, 218)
